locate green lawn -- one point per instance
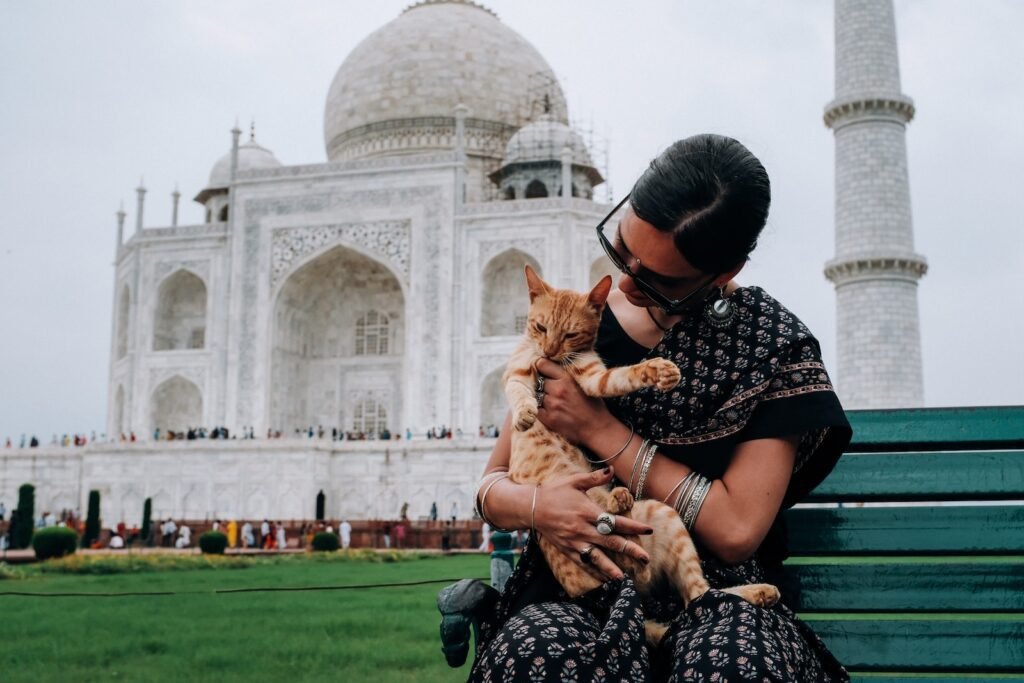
(378, 634)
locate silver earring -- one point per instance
(719, 313)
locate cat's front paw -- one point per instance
(620, 500)
(524, 416)
(662, 373)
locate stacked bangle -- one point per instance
(683, 483)
(533, 510)
(481, 500)
(648, 457)
(636, 462)
(695, 500)
(618, 452)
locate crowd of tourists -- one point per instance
(223, 433)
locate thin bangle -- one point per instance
(533, 510)
(676, 487)
(644, 469)
(636, 461)
(483, 480)
(618, 452)
(686, 492)
(693, 506)
(483, 505)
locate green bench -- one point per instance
(917, 593)
(921, 592)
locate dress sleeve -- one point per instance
(800, 400)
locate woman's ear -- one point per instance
(724, 279)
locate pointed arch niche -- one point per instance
(505, 299)
(180, 321)
(338, 329)
(176, 405)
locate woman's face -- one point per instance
(651, 255)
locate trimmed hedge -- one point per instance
(55, 541)
(326, 541)
(213, 543)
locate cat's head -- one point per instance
(562, 322)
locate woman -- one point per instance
(752, 427)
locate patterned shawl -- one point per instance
(760, 377)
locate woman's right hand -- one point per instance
(566, 517)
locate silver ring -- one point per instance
(605, 523)
(540, 384)
(625, 542)
(585, 555)
(540, 399)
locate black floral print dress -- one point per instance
(760, 377)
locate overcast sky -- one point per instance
(96, 94)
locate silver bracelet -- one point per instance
(686, 493)
(636, 463)
(533, 510)
(695, 502)
(483, 481)
(682, 482)
(618, 452)
(483, 504)
(644, 469)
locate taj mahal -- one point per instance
(382, 290)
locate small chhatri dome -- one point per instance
(543, 140)
(396, 92)
(251, 155)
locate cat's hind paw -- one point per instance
(760, 594)
(524, 417)
(662, 373)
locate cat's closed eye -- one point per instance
(570, 335)
(541, 328)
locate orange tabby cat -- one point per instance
(562, 326)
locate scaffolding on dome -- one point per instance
(542, 91)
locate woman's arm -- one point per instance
(739, 508)
(563, 514)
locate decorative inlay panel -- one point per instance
(388, 239)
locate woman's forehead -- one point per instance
(655, 249)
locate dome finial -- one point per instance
(252, 130)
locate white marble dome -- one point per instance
(251, 155)
(403, 82)
(543, 140)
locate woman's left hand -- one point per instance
(566, 409)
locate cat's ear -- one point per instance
(599, 294)
(535, 284)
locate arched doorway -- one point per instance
(338, 337)
(176, 405)
(180, 321)
(505, 299)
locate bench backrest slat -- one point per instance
(954, 529)
(937, 428)
(943, 475)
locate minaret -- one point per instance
(875, 269)
(120, 228)
(141, 192)
(175, 197)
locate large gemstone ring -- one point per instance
(605, 523)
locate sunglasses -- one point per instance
(665, 303)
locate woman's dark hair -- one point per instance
(712, 194)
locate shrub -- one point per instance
(55, 541)
(213, 543)
(21, 533)
(326, 541)
(92, 520)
